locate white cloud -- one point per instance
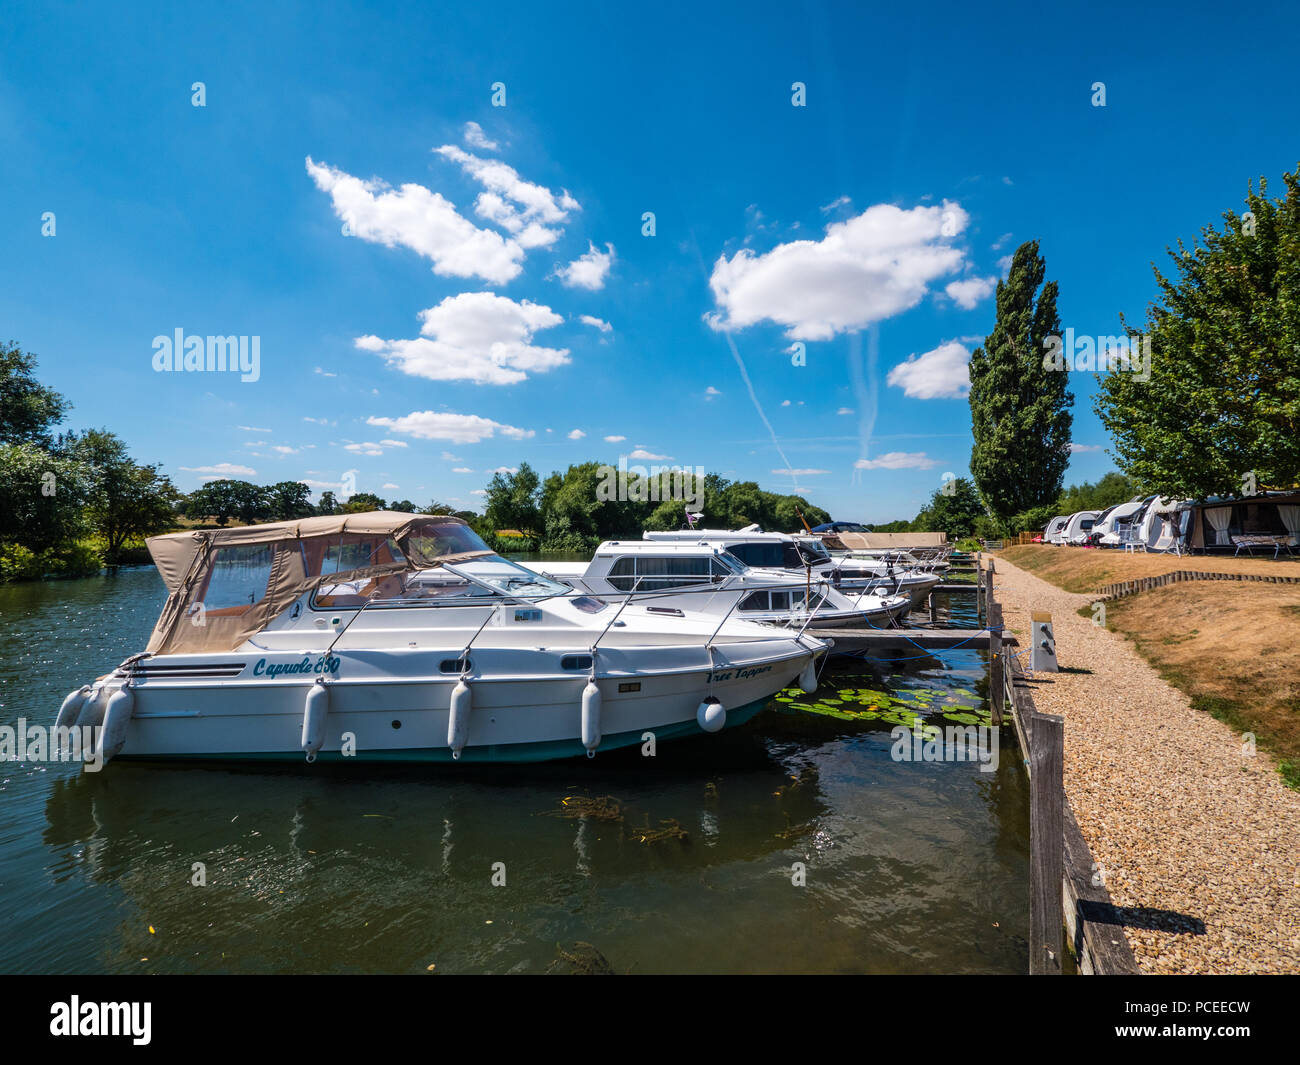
(324, 373)
(840, 202)
(799, 473)
(476, 138)
(458, 428)
(474, 336)
(364, 449)
(506, 469)
(710, 392)
(966, 294)
(424, 221)
(596, 323)
(285, 449)
(845, 410)
(587, 271)
(462, 469)
(642, 453)
(318, 421)
(537, 224)
(222, 469)
(866, 268)
(252, 429)
(785, 403)
(1074, 448)
(479, 492)
(1004, 264)
(897, 460)
(394, 487)
(576, 434)
(447, 456)
(615, 439)
(939, 374)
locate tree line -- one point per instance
(1209, 402)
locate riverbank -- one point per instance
(1198, 841)
(1192, 633)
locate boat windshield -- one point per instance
(503, 577)
(813, 552)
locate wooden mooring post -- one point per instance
(1046, 842)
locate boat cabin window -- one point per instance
(650, 574)
(237, 579)
(754, 601)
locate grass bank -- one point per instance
(1231, 648)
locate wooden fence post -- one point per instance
(1046, 842)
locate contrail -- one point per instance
(759, 407)
(699, 258)
(866, 396)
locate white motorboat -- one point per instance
(799, 555)
(670, 576)
(390, 637)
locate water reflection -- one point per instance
(910, 867)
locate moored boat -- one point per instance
(387, 637)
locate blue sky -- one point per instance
(496, 293)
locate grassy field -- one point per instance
(1079, 569)
(1234, 649)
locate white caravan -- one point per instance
(1055, 530)
(1078, 528)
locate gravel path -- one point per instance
(1199, 843)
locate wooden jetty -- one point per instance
(863, 639)
(1068, 910)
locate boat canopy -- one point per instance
(224, 585)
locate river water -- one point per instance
(908, 866)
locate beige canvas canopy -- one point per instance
(899, 541)
(296, 556)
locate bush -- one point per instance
(562, 539)
(73, 560)
(18, 563)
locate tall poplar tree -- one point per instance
(1020, 409)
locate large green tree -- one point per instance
(1222, 401)
(126, 500)
(512, 500)
(1020, 408)
(28, 410)
(954, 509)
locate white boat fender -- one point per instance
(808, 678)
(591, 718)
(117, 716)
(92, 710)
(71, 708)
(711, 715)
(315, 709)
(462, 702)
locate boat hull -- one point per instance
(380, 710)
